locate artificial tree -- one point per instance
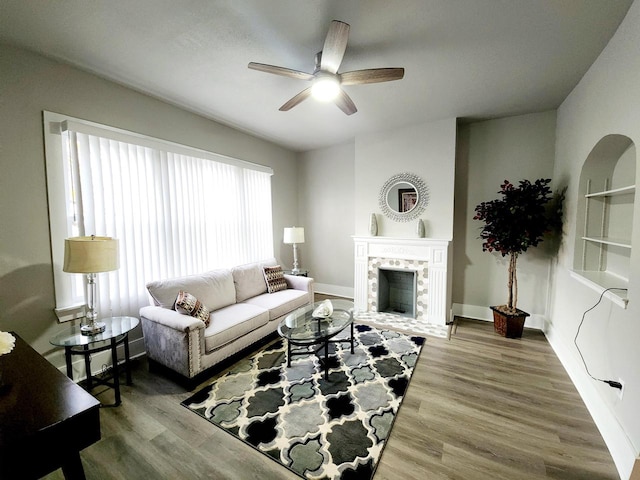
(514, 222)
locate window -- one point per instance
(175, 210)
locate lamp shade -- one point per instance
(90, 254)
(294, 235)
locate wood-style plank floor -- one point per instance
(478, 407)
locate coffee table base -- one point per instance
(324, 344)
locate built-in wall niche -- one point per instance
(605, 217)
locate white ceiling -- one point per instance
(471, 59)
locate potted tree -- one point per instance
(514, 222)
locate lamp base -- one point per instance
(93, 328)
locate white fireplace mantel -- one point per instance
(436, 299)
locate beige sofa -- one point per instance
(242, 313)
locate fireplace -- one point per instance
(397, 291)
(427, 260)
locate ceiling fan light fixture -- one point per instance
(325, 88)
(326, 82)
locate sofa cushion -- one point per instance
(280, 303)
(215, 289)
(274, 278)
(249, 280)
(232, 322)
(187, 304)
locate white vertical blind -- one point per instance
(174, 214)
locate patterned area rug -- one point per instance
(320, 429)
(401, 323)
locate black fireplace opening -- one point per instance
(397, 291)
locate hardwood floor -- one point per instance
(484, 407)
(478, 407)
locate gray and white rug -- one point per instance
(320, 429)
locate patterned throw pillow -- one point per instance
(187, 304)
(274, 276)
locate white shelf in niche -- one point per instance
(602, 257)
(618, 242)
(613, 192)
(600, 281)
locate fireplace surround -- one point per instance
(428, 258)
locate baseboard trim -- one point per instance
(635, 474)
(617, 441)
(472, 311)
(484, 313)
(337, 290)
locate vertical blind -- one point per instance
(173, 214)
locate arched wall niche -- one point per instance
(604, 222)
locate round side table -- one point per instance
(76, 343)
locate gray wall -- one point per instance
(513, 148)
(345, 181)
(604, 102)
(30, 84)
(428, 150)
(326, 210)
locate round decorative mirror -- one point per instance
(403, 197)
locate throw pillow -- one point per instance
(187, 304)
(274, 276)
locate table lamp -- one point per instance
(91, 255)
(294, 235)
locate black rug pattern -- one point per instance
(320, 429)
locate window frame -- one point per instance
(68, 305)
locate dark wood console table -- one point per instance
(45, 418)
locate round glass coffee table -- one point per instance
(301, 328)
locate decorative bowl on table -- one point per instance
(324, 310)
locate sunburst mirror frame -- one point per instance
(422, 193)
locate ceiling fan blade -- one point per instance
(372, 75)
(303, 95)
(334, 46)
(344, 103)
(285, 72)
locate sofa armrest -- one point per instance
(171, 318)
(300, 283)
(172, 339)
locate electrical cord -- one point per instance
(611, 383)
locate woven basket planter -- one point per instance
(509, 325)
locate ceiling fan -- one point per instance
(326, 81)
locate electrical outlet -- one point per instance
(621, 391)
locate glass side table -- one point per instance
(76, 343)
(299, 273)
